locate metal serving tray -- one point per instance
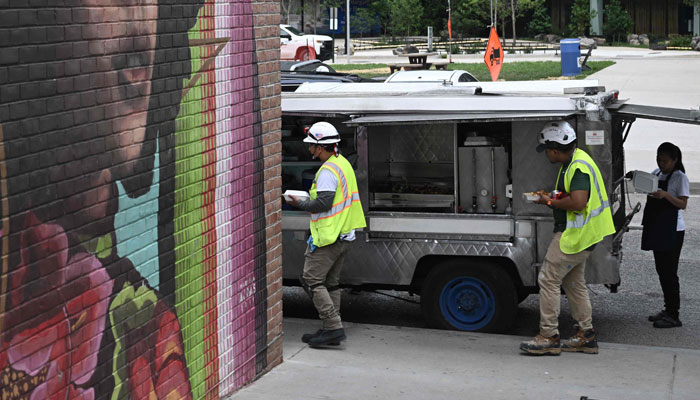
(412, 200)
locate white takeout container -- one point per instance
(299, 194)
(531, 197)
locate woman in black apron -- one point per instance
(664, 229)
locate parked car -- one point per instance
(432, 76)
(322, 45)
(296, 73)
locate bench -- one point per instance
(393, 67)
(438, 64)
(441, 64)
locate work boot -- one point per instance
(659, 315)
(668, 321)
(328, 337)
(542, 345)
(307, 336)
(581, 342)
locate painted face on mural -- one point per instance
(126, 31)
(122, 42)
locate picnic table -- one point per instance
(418, 61)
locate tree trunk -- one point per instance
(503, 32)
(512, 9)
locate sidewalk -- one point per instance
(383, 362)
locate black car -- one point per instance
(295, 73)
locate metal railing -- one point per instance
(468, 45)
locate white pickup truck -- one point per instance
(322, 45)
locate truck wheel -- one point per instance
(469, 297)
(305, 54)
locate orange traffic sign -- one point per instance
(494, 55)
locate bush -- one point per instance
(581, 16)
(527, 50)
(680, 41)
(472, 50)
(617, 22)
(540, 22)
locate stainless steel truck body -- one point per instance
(441, 171)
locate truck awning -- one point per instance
(684, 116)
(430, 118)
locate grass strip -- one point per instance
(515, 71)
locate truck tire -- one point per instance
(469, 296)
(305, 54)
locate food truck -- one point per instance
(442, 170)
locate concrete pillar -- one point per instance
(597, 20)
(696, 19)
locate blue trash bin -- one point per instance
(570, 57)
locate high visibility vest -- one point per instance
(346, 213)
(589, 226)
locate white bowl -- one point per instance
(299, 194)
(531, 197)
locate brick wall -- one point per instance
(139, 197)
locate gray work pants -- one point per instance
(321, 272)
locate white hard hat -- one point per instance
(557, 132)
(322, 133)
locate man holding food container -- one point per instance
(336, 211)
(582, 218)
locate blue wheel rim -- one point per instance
(467, 303)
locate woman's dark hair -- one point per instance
(674, 152)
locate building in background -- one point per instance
(659, 17)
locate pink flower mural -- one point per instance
(133, 218)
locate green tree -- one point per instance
(382, 9)
(617, 22)
(364, 20)
(405, 16)
(435, 13)
(470, 17)
(540, 22)
(581, 16)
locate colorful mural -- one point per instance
(132, 197)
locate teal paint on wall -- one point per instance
(136, 228)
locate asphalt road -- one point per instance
(619, 317)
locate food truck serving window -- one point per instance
(411, 167)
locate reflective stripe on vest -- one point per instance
(346, 200)
(580, 221)
(346, 212)
(588, 227)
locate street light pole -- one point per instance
(347, 30)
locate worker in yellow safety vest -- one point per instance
(336, 212)
(582, 218)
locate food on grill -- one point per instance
(420, 189)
